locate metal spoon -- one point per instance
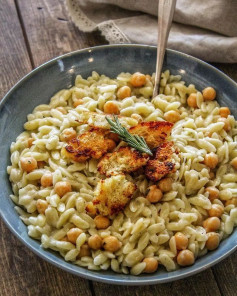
(165, 16)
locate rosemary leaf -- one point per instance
(134, 141)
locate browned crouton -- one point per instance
(90, 144)
(154, 132)
(162, 163)
(112, 194)
(125, 160)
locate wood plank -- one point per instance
(50, 32)
(14, 59)
(226, 275)
(201, 284)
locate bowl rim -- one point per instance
(116, 279)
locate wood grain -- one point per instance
(229, 69)
(226, 275)
(202, 284)
(14, 59)
(50, 32)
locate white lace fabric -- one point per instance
(205, 29)
(78, 17)
(112, 33)
(108, 28)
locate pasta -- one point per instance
(145, 233)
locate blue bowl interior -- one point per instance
(38, 87)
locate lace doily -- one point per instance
(108, 28)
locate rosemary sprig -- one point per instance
(134, 141)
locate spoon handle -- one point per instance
(165, 16)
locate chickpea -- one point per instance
(154, 195)
(28, 164)
(165, 184)
(213, 241)
(111, 144)
(138, 79)
(137, 117)
(62, 188)
(172, 116)
(111, 244)
(192, 100)
(209, 93)
(90, 208)
(213, 192)
(111, 107)
(216, 211)
(211, 224)
(101, 222)
(234, 163)
(181, 241)
(124, 92)
(224, 112)
(151, 265)
(73, 234)
(211, 160)
(41, 206)
(62, 110)
(232, 201)
(185, 258)
(77, 103)
(47, 179)
(30, 142)
(68, 134)
(95, 242)
(227, 126)
(84, 251)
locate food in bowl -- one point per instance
(103, 204)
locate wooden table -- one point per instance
(31, 33)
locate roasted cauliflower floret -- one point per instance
(112, 194)
(90, 144)
(124, 160)
(154, 132)
(162, 164)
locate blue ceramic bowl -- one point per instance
(37, 88)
